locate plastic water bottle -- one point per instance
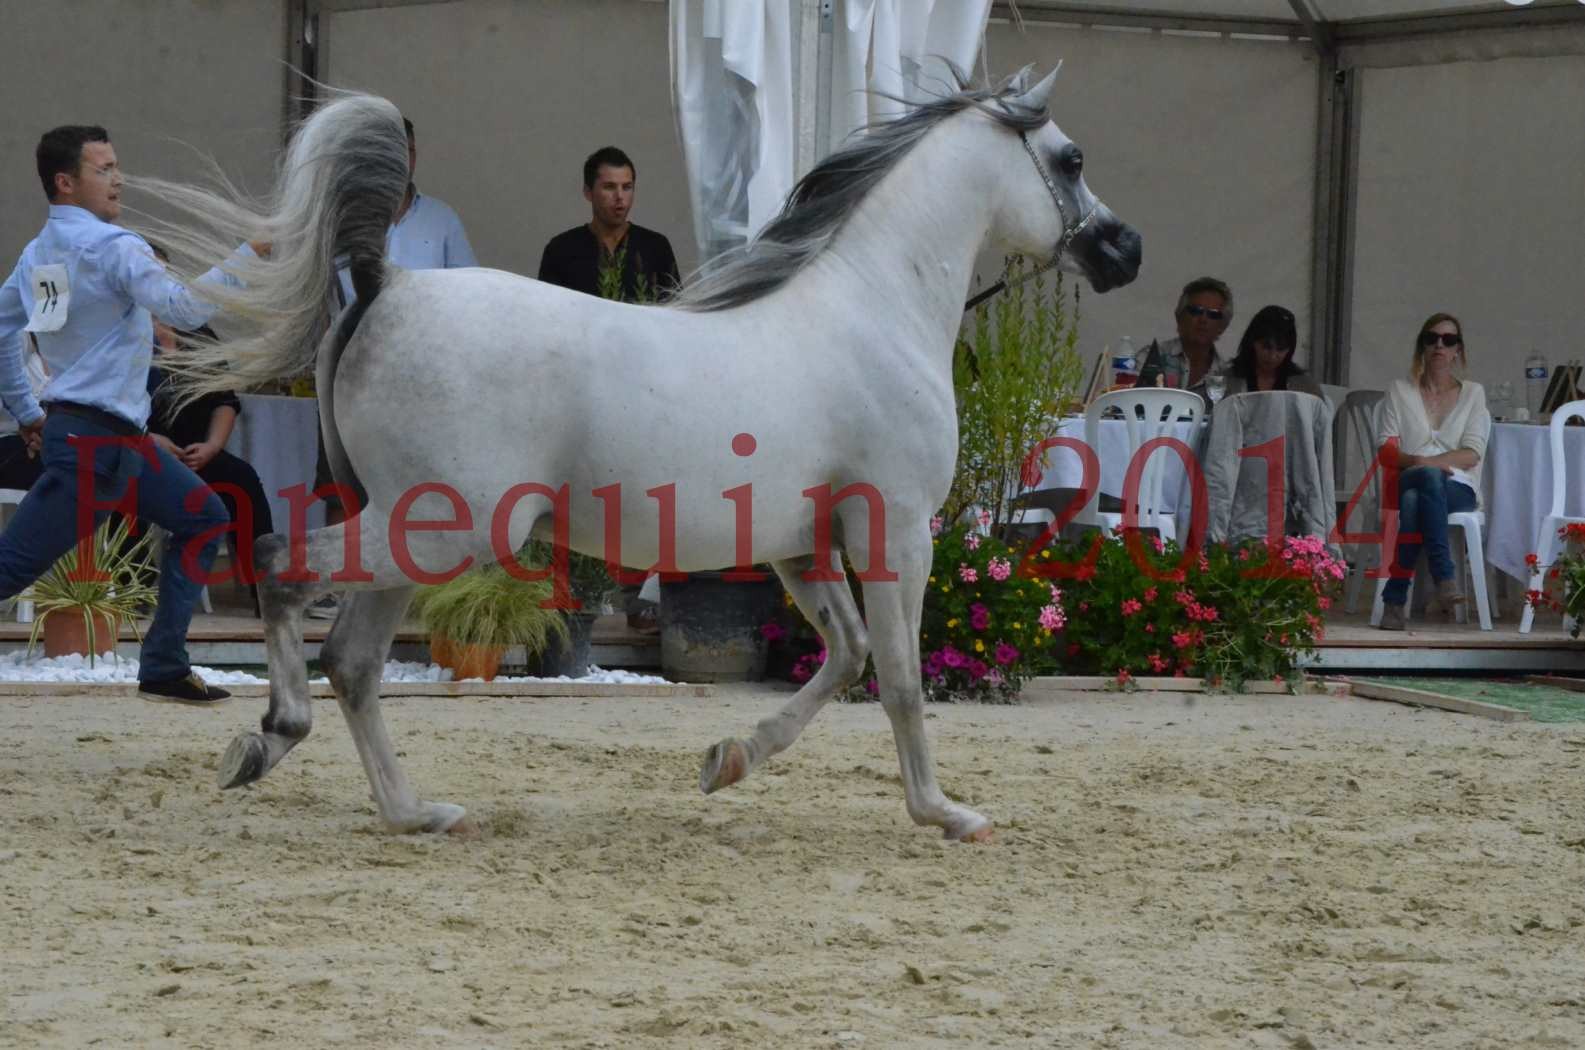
(1125, 363)
(1535, 376)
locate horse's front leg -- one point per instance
(893, 609)
(829, 606)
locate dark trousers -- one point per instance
(226, 469)
(1426, 497)
(159, 488)
(18, 470)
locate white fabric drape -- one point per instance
(736, 84)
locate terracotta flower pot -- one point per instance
(466, 661)
(65, 633)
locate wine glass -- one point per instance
(1215, 387)
(1502, 402)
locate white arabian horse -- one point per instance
(817, 360)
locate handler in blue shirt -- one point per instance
(85, 289)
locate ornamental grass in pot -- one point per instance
(472, 620)
(80, 608)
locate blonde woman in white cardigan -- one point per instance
(1440, 422)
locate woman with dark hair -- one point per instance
(1265, 356)
(1437, 425)
(196, 434)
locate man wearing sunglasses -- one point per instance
(1205, 309)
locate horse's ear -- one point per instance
(1038, 96)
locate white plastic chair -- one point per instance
(1354, 427)
(1148, 413)
(1335, 396)
(1472, 566)
(22, 607)
(1547, 545)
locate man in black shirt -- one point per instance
(610, 256)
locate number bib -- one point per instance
(52, 295)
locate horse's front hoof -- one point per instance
(464, 829)
(443, 816)
(724, 765)
(245, 760)
(965, 825)
(979, 835)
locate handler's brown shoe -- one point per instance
(1391, 618)
(1449, 599)
(188, 689)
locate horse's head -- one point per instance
(1048, 210)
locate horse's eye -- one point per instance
(1071, 161)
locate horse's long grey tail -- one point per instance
(336, 195)
(330, 350)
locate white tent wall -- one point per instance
(1471, 199)
(1470, 146)
(1204, 144)
(509, 97)
(162, 76)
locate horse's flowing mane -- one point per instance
(824, 198)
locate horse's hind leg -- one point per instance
(251, 755)
(356, 648)
(829, 606)
(354, 656)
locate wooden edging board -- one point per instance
(1574, 685)
(1149, 683)
(1425, 698)
(478, 690)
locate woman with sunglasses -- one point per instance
(1205, 308)
(1434, 427)
(1265, 356)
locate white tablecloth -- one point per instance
(279, 436)
(1516, 484)
(1065, 470)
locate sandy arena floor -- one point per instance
(1236, 872)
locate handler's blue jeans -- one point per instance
(1426, 496)
(164, 492)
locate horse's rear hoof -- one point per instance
(979, 835)
(245, 761)
(724, 765)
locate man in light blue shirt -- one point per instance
(85, 289)
(427, 235)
